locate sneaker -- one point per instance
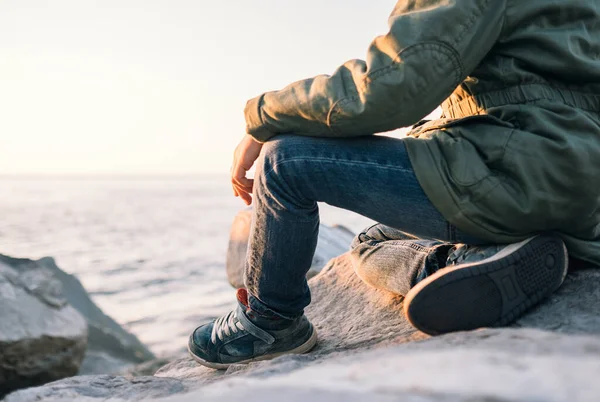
(243, 336)
(483, 290)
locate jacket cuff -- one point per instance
(254, 123)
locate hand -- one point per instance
(246, 153)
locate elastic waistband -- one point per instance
(470, 105)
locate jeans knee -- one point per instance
(284, 172)
(280, 149)
(363, 255)
(272, 154)
(287, 161)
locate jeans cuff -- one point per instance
(436, 260)
(265, 311)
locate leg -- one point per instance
(487, 286)
(396, 261)
(370, 175)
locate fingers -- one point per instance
(243, 181)
(244, 194)
(238, 173)
(242, 186)
(244, 157)
(238, 188)
(246, 198)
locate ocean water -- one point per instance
(150, 251)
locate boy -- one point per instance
(511, 170)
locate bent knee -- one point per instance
(368, 263)
(285, 146)
(286, 154)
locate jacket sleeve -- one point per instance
(431, 47)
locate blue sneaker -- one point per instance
(243, 336)
(487, 286)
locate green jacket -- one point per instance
(517, 151)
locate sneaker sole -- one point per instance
(304, 348)
(492, 292)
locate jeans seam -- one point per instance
(419, 248)
(389, 167)
(282, 208)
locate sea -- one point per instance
(150, 251)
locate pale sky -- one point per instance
(157, 86)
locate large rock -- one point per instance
(348, 315)
(42, 338)
(101, 387)
(487, 365)
(333, 241)
(367, 351)
(490, 365)
(574, 309)
(110, 348)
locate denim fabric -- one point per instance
(390, 259)
(370, 175)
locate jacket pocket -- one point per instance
(473, 148)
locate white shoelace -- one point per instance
(225, 326)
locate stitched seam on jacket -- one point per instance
(443, 48)
(397, 61)
(469, 23)
(504, 19)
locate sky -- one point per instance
(157, 87)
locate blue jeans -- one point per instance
(369, 175)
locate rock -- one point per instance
(341, 330)
(573, 309)
(367, 351)
(101, 387)
(110, 348)
(148, 368)
(42, 338)
(333, 241)
(490, 364)
(348, 315)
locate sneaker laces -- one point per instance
(457, 254)
(226, 326)
(464, 253)
(234, 322)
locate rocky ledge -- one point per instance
(368, 351)
(50, 329)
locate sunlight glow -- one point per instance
(157, 87)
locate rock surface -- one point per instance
(367, 351)
(148, 368)
(42, 338)
(348, 315)
(574, 309)
(333, 241)
(101, 387)
(486, 365)
(110, 348)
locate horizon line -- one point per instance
(109, 175)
